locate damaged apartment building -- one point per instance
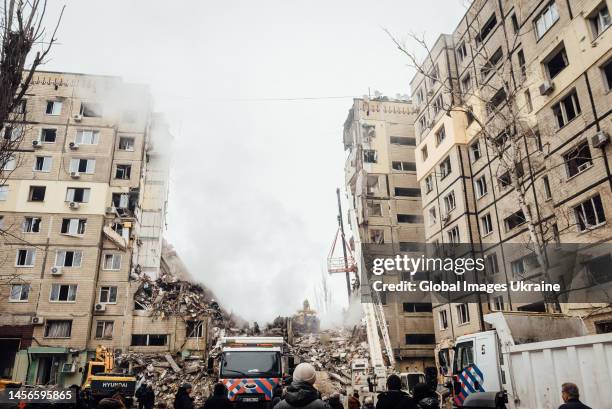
(513, 127)
(385, 209)
(82, 209)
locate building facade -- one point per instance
(512, 135)
(385, 209)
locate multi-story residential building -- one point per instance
(385, 209)
(512, 143)
(82, 210)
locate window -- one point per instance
(481, 186)
(374, 209)
(87, 137)
(12, 133)
(118, 228)
(112, 262)
(123, 172)
(121, 200)
(496, 100)
(433, 216)
(404, 166)
(73, 226)
(48, 135)
(515, 23)
(31, 225)
(491, 263)
(420, 339)
(409, 246)
(438, 104)
(19, 292)
(369, 156)
(4, 189)
(194, 329)
(461, 51)
(518, 267)
(567, 109)
(408, 218)
(108, 295)
(578, 159)
(408, 191)
(77, 194)
(607, 73)
(453, 235)
(515, 220)
(68, 258)
(83, 165)
(498, 303)
(599, 269)
(520, 55)
(429, 183)
(443, 319)
(21, 107)
(445, 168)
(528, 103)
(486, 29)
(90, 110)
(401, 140)
(423, 124)
(37, 193)
(546, 184)
(590, 213)
(377, 236)
(10, 164)
(449, 202)
(486, 224)
(556, 63)
(424, 154)
(546, 19)
(434, 75)
(475, 151)
(463, 313)
(58, 328)
(25, 258)
(419, 97)
(43, 163)
(440, 135)
(149, 339)
(63, 293)
(53, 108)
(490, 65)
(466, 83)
(104, 330)
(600, 20)
(504, 180)
(126, 144)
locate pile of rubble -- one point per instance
(167, 374)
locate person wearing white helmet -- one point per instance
(302, 393)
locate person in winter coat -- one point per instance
(353, 401)
(148, 397)
(182, 399)
(301, 393)
(140, 395)
(218, 399)
(571, 396)
(277, 395)
(334, 401)
(424, 397)
(368, 403)
(394, 398)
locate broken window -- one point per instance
(590, 213)
(475, 151)
(108, 295)
(58, 328)
(461, 51)
(463, 314)
(104, 330)
(12, 133)
(504, 180)
(546, 19)
(409, 218)
(490, 65)
(121, 200)
(600, 20)
(87, 137)
(491, 264)
(31, 224)
(73, 226)
(481, 186)
(443, 319)
(441, 135)
(377, 236)
(515, 220)
(486, 224)
(91, 110)
(433, 216)
(556, 63)
(77, 194)
(194, 329)
(404, 166)
(445, 168)
(408, 191)
(63, 293)
(126, 144)
(424, 153)
(429, 183)
(567, 109)
(607, 73)
(123, 172)
(19, 292)
(496, 100)
(521, 62)
(68, 258)
(449, 202)
(466, 82)
(599, 269)
(53, 108)
(578, 159)
(547, 192)
(498, 303)
(422, 124)
(374, 209)
(83, 165)
(369, 156)
(453, 235)
(10, 164)
(402, 140)
(37, 193)
(515, 23)
(112, 262)
(25, 257)
(43, 163)
(487, 28)
(149, 339)
(528, 102)
(417, 307)
(438, 104)
(48, 135)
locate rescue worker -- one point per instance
(353, 401)
(182, 399)
(571, 396)
(218, 399)
(301, 393)
(394, 397)
(425, 397)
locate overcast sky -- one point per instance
(252, 200)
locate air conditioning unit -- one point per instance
(74, 205)
(36, 143)
(73, 145)
(68, 367)
(75, 175)
(546, 87)
(56, 271)
(77, 117)
(600, 139)
(37, 320)
(100, 307)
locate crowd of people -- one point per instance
(301, 394)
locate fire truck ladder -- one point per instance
(381, 322)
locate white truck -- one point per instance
(529, 356)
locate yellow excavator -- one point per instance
(101, 382)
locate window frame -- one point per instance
(486, 223)
(21, 286)
(28, 251)
(551, 6)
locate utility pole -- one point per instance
(341, 224)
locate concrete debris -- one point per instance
(305, 320)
